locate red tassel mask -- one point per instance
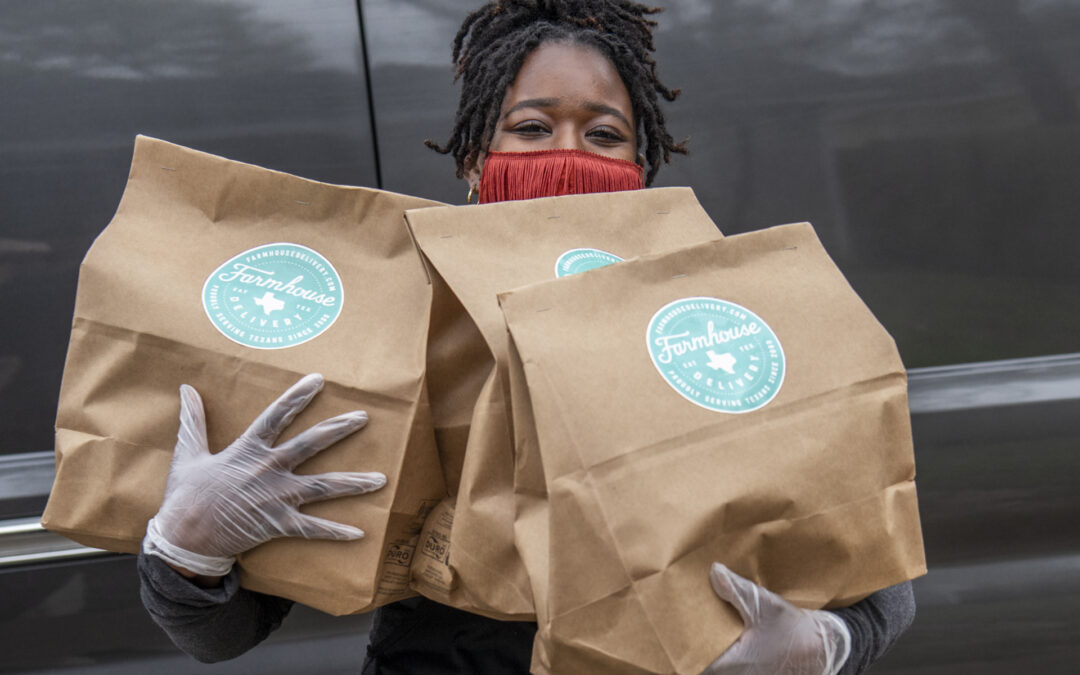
(548, 173)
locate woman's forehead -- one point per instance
(568, 73)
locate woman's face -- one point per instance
(567, 96)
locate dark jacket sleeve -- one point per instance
(876, 623)
(210, 624)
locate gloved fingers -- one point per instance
(310, 527)
(743, 594)
(340, 484)
(319, 437)
(191, 438)
(272, 421)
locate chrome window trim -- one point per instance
(991, 384)
(24, 541)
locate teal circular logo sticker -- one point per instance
(273, 296)
(580, 260)
(716, 354)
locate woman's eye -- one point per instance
(530, 129)
(606, 135)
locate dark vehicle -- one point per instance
(935, 145)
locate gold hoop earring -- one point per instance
(472, 193)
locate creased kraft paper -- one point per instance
(473, 253)
(655, 463)
(141, 329)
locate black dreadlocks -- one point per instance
(494, 40)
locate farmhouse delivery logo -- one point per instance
(716, 354)
(582, 260)
(273, 296)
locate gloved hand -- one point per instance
(217, 506)
(777, 637)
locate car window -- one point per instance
(934, 146)
(269, 83)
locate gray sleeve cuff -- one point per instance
(210, 624)
(875, 623)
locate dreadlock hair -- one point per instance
(494, 41)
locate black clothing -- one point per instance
(421, 637)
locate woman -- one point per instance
(557, 97)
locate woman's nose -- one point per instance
(568, 137)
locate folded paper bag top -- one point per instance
(237, 280)
(474, 252)
(731, 401)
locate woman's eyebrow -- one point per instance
(533, 103)
(604, 108)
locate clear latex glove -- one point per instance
(777, 637)
(219, 505)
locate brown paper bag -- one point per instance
(730, 401)
(468, 557)
(159, 304)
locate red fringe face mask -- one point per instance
(549, 173)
